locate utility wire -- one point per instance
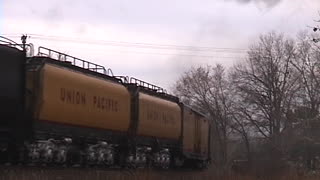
(174, 54)
(140, 45)
(146, 46)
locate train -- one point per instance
(57, 109)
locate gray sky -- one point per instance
(150, 39)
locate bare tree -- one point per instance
(241, 124)
(307, 63)
(258, 96)
(266, 84)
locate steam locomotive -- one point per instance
(57, 109)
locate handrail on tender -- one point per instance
(42, 51)
(147, 85)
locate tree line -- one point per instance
(275, 89)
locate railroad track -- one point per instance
(77, 173)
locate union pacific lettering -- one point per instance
(72, 96)
(106, 104)
(76, 97)
(165, 117)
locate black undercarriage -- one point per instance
(56, 144)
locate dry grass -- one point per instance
(29, 173)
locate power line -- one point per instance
(175, 54)
(140, 45)
(151, 53)
(147, 45)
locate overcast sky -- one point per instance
(151, 39)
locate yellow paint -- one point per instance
(195, 132)
(74, 98)
(204, 135)
(158, 117)
(188, 131)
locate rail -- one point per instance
(144, 84)
(124, 79)
(8, 42)
(42, 51)
(138, 82)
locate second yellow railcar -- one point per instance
(158, 117)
